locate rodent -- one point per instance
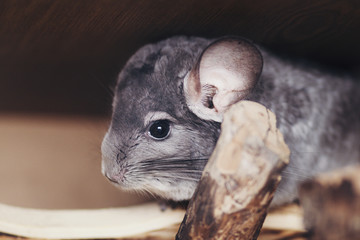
(171, 95)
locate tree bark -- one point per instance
(331, 204)
(240, 179)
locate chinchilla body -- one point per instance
(169, 102)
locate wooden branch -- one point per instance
(239, 181)
(331, 204)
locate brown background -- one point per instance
(64, 55)
(59, 60)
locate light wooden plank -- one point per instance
(80, 224)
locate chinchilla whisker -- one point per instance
(282, 190)
(298, 169)
(176, 157)
(166, 177)
(174, 164)
(289, 176)
(165, 160)
(296, 173)
(175, 170)
(148, 192)
(181, 171)
(178, 178)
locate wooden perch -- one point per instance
(331, 204)
(240, 179)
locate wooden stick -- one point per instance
(331, 204)
(239, 181)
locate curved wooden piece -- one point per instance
(238, 183)
(77, 224)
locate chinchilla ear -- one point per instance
(225, 73)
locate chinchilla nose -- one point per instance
(116, 177)
(111, 179)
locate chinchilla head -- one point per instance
(167, 110)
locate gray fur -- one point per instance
(317, 113)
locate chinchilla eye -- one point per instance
(160, 129)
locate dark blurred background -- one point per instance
(64, 56)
